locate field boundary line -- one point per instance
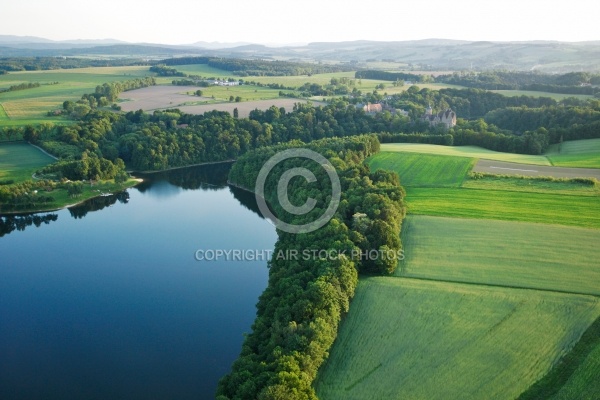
(3, 112)
(43, 151)
(495, 285)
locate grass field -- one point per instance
(576, 153)
(555, 96)
(436, 340)
(583, 211)
(576, 375)
(464, 151)
(18, 161)
(30, 106)
(423, 169)
(513, 254)
(531, 185)
(3, 115)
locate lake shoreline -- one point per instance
(46, 210)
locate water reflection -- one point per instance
(205, 177)
(98, 203)
(10, 223)
(163, 185)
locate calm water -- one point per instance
(107, 300)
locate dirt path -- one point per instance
(506, 168)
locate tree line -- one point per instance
(21, 86)
(569, 83)
(299, 313)
(16, 64)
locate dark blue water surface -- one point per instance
(107, 301)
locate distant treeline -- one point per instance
(570, 83)
(163, 70)
(21, 86)
(299, 312)
(15, 64)
(243, 67)
(392, 76)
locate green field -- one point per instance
(576, 375)
(531, 93)
(532, 185)
(30, 106)
(3, 115)
(576, 153)
(465, 151)
(414, 339)
(583, 211)
(246, 92)
(18, 161)
(423, 169)
(512, 254)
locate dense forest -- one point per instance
(569, 83)
(300, 311)
(244, 67)
(171, 138)
(15, 64)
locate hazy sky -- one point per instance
(301, 21)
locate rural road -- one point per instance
(506, 168)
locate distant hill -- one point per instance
(428, 54)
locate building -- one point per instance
(448, 117)
(372, 108)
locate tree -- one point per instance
(75, 189)
(238, 99)
(121, 177)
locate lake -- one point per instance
(109, 300)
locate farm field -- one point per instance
(583, 211)
(3, 115)
(437, 340)
(512, 254)
(531, 185)
(18, 161)
(576, 153)
(30, 106)
(515, 169)
(465, 151)
(423, 169)
(555, 96)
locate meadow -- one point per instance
(511, 254)
(583, 211)
(407, 338)
(30, 106)
(464, 151)
(423, 169)
(531, 93)
(576, 153)
(18, 161)
(531, 185)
